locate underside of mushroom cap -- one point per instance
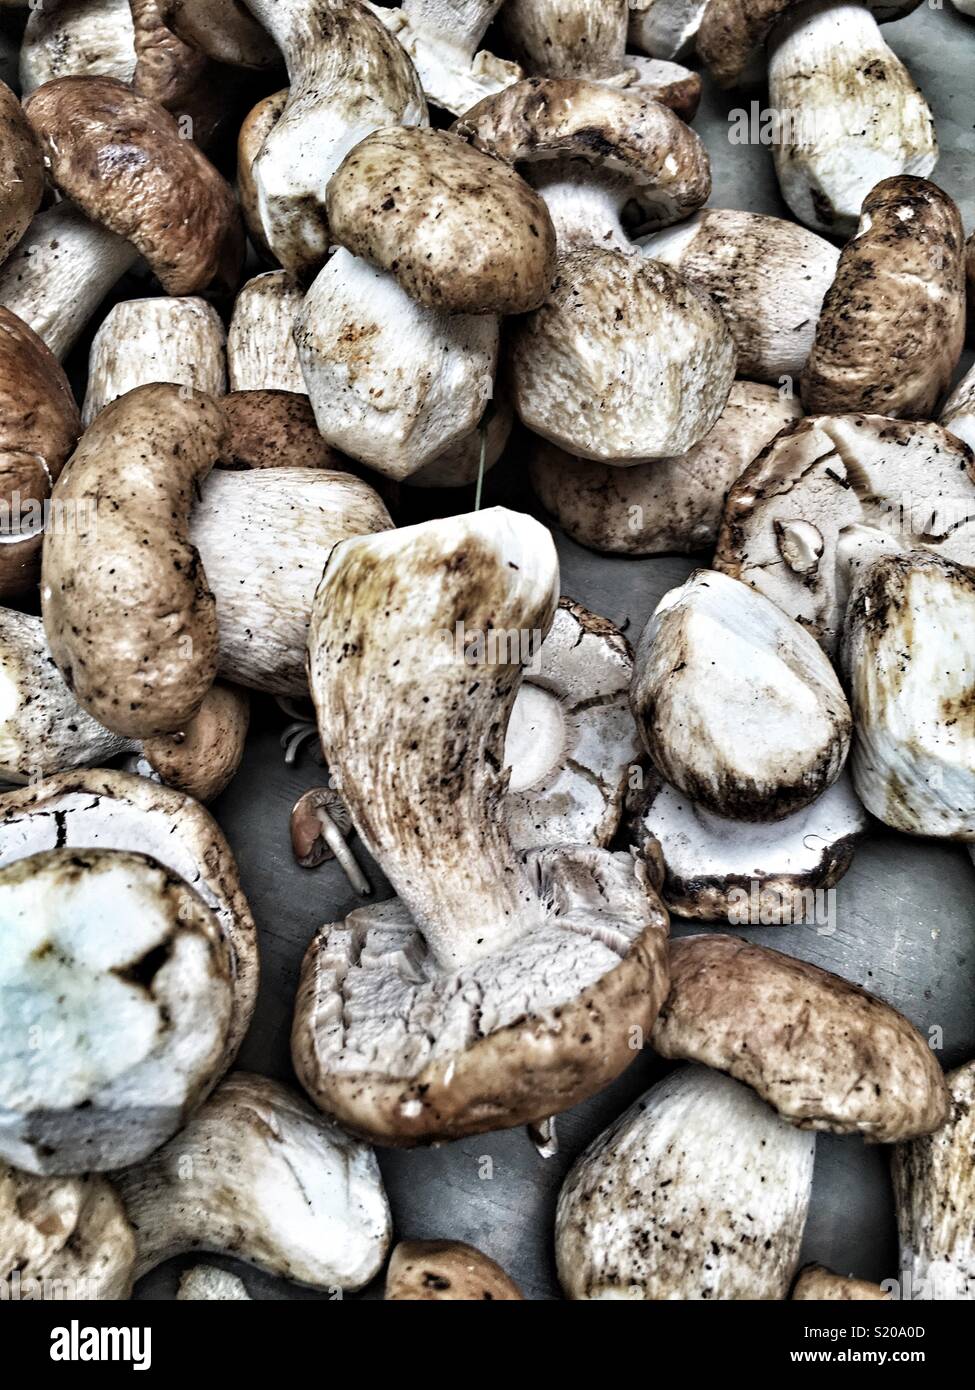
(825, 1053)
(405, 1052)
(115, 997)
(461, 232)
(758, 873)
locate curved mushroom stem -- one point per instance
(585, 207)
(417, 643)
(319, 823)
(442, 37)
(336, 842)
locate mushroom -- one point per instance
(442, 38)
(164, 195)
(256, 1174)
(755, 750)
(68, 38)
(825, 1053)
(666, 28)
(63, 1238)
(261, 351)
(472, 456)
(207, 1283)
(95, 809)
(898, 295)
(511, 985)
(224, 30)
(60, 273)
(823, 478)
(823, 1285)
(669, 505)
(717, 869)
(43, 729)
(21, 172)
(909, 660)
(148, 340)
(424, 1271)
(115, 1001)
(766, 275)
(958, 411)
(853, 115)
(264, 427)
(934, 1184)
(571, 742)
(320, 821)
(39, 425)
(699, 1191)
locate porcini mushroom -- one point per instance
(958, 411)
(699, 1191)
(224, 30)
(21, 172)
(826, 1054)
(256, 1174)
(95, 38)
(529, 971)
(446, 1270)
(115, 997)
(666, 28)
(207, 1283)
(264, 427)
(758, 750)
(934, 1184)
(898, 295)
(823, 1285)
(261, 351)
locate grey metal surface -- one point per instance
(905, 922)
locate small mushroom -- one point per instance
(21, 172)
(261, 351)
(910, 479)
(825, 1053)
(721, 870)
(755, 749)
(699, 1191)
(823, 1285)
(256, 1174)
(207, 1283)
(909, 659)
(898, 296)
(63, 1238)
(115, 1003)
(511, 985)
(320, 821)
(767, 276)
(934, 1184)
(667, 506)
(447, 1270)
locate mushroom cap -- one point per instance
(651, 155)
(256, 126)
(202, 759)
(898, 295)
(908, 654)
(698, 1191)
(224, 30)
(448, 1271)
(667, 506)
(122, 159)
(631, 335)
(711, 865)
(911, 479)
(461, 232)
(266, 429)
(669, 83)
(207, 1283)
(934, 1184)
(39, 426)
(306, 1202)
(758, 749)
(815, 1282)
(825, 1053)
(405, 1052)
(128, 613)
(69, 1233)
(21, 172)
(91, 807)
(116, 997)
(167, 69)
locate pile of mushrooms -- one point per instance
(469, 247)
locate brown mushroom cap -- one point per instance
(274, 429)
(660, 161)
(825, 1053)
(202, 760)
(39, 425)
(223, 29)
(815, 1282)
(167, 70)
(446, 1270)
(898, 298)
(461, 232)
(21, 172)
(128, 613)
(257, 124)
(122, 159)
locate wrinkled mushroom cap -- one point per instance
(448, 1271)
(461, 232)
(21, 172)
(122, 159)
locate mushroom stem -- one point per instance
(336, 842)
(545, 1136)
(585, 208)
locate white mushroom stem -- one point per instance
(161, 339)
(432, 624)
(958, 414)
(585, 206)
(335, 840)
(261, 351)
(90, 38)
(60, 273)
(442, 37)
(666, 28)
